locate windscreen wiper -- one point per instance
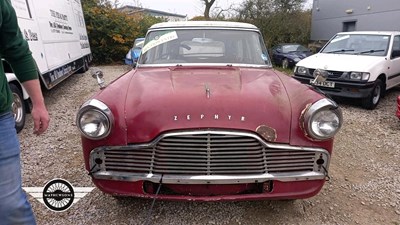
(371, 51)
(341, 50)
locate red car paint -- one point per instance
(263, 97)
(398, 107)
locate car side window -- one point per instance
(396, 47)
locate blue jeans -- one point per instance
(14, 206)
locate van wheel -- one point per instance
(374, 97)
(18, 108)
(285, 64)
(85, 66)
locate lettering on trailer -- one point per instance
(58, 15)
(30, 35)
(85, 45)
(58, 27)
(60, 23)
(84, 41)
(60, 72)
(55, 76)
(83, 37)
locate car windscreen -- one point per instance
(208, 46)
(358, 44)
(138, 43)
(293, 48)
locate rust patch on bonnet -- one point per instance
(267, 133)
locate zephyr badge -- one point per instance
(213, 116)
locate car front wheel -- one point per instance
(374, 97)
(285, 64)
(18, 108)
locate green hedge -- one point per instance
(111, 32)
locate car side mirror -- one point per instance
(98, 75)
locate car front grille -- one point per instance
(331, 74)
(205, 153)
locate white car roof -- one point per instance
(222, 24)
(373, 32)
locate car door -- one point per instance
(394, 71)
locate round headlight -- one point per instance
(94, 120)
(322, 120)
(301, 70)
(325, 123)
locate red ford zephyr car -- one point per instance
(205, 117)
(398, 107)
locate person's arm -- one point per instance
(15, 51)
(39, 112)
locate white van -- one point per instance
(359, 65)
(56, 34)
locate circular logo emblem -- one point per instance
(58, 195)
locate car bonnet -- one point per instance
(181, 98)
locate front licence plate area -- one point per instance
(207, 189)
(328, 84)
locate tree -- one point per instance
(288, 5)
(208, 4)
(218, 13)
(111, 32)
(223, 13)
(279, 20)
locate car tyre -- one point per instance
(18, 108)
(374, 97)
(285, 64)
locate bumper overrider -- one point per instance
(210, 163)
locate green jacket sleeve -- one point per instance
(13, 47)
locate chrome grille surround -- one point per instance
(209, 157)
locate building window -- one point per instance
(349, 26)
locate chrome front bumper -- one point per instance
(207, 179)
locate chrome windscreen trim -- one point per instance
(267, 66)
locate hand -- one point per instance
(39, 112)
(41, 119)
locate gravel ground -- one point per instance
(364, 186)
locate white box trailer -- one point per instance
(57, 37)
